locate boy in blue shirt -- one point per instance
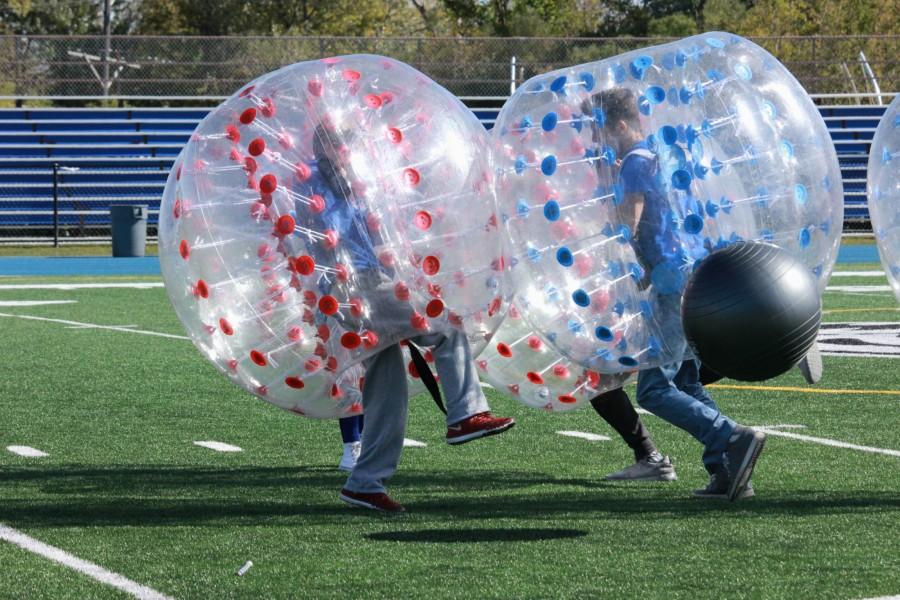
(673, 391)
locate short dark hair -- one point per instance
(617, 104)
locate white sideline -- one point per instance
(62, 557)
(96, 326)
(27, 451)
(219, 446)
(591, 437)
(408, 443)
(828, 442)
(858, 274)
(6, 303)
(137, 285)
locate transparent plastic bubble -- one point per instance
(520, 363)
(884, 192)
(616, 177)
(325, 211)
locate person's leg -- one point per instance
(385, 404)
(351, 427)
(688, 380)
(615, 408)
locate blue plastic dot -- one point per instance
(534, 255)
(885, 156)
(646, 308)
(681, 179)
(526, 123)
(551, 210)
(672, 96)
(624, 233)
(681, 58)
(559, 84)
(668, 134)
(655, 94)
(603, 354)
(575, 326)
(581, 298)
(622, 346)
(618, 73)
(743, 71)
(588, 80)
(644, 106)
(800, 193)
(766, 235)
(786, 149)
(618, 194)
(700, 171)
(604, 334)
(804, 238)
(599, 117)
(716, 165)
(537, 87)
(522, 209)
(548, 165)
(684, 95)
(715, 42)
(520, 164)
(564, 257)
(769, 109)
(715, 74)
(636, 271)
(577, 125)
(619, 308)
(548, 123)
(551, 337)
(628, 361)
(711, 208)
(492, 283)
(668, 61)
(640, 65)
(608, 155)
(693, 224)
(552, 293)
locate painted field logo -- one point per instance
(860, 339)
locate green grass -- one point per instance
(522, 515)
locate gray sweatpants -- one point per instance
(385, 403)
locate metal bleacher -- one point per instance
(109, 156)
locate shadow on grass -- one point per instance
(470, 536)
(249, 495)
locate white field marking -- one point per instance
(95, 326)
(219, 446)
(136, 285)
(408, 443)
(90, 326)
(859, 289)
(885, 598)
(5, 303)
(27, 451)
(828, 442)
(779, 426)
(858, 274)
(642, 411)
(82, 566)
(591, 437)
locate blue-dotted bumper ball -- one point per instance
(884, 192)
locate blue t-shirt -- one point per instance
(655, 241)
(340, 216)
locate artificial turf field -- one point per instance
(522, 515)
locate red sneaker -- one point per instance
(379, 501)
(477, 426)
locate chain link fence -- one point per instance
(58, 66)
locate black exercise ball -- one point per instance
(751, 311)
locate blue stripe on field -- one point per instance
(41, 266)
(44, 266)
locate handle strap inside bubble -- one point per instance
(426, 375)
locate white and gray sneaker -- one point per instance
(717, 488)
(811, 365)
(351, 455)
(655, 467)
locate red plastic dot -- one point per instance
(184, 249)
(246, 91)
(387, 97)
(258, 357)
(294, 382)
(370, 340)
(431, 265)
(268, 184)
(514, 388)
(372, 101)
(418, 321)
(357, 307)
(331, 364)
(567, 399)
(232, 133)
(202, 289)
(309, 298)
(285, 225)
(176, 209)
(295, 334)
(394, 135)
(302, 171)
(225, 326)
(341, 273)
(455, 319)
(248, 116)
(178, 172)
(535, 343)
(305, 265)
(401, 291)
(373, 222)
(324, 332)
(232, 364)
(387, 258)
(268, 108)
(434, 308)
(315, 88)
(412, 370)
(258, 210)
(351, 75)
(350, 340)
(534, 378)
(312, 365)
(328, 305)
(234, 155)
(422, 220)
(411, 177)
(316, 204)
(593, 379)
(494, 306)
(257, 147)
(336, 392)
(250, 165)
(561, 371)
(434, 290)
(504, 350)
(331, 239)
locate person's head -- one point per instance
(622, 125)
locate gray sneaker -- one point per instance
(655, 467)
(717, 488)
(811, 365)
(743, 450)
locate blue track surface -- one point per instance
(103, 265)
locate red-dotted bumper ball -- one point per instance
(616, 177)
(324, 211)
(520, 363)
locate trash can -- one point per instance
(129, 230)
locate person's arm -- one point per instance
(630, 211)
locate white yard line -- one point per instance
(408, 443)
(136, 285)
(829, 442)
(62, 557)
(591, 437)
(219, 446)
(885, 598)
(6, 303)
(27, 451)
(78, 324)
(858, 274)
(859, 289)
